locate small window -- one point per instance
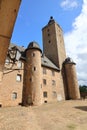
(44, 81)
(18, 78)
(45, 101)
(53, 73)
(44, 71)
(34, 68)
(48, 30)
(48, 34)
(33, 54)
(44, 94)
(0, 105)
(49, 41)
(15, 10)
(53, 82)
(54, 94)
(31, 79)
(14, 95)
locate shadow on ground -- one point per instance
(84, 108)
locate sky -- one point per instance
(71, 15)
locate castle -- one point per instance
(38, 77)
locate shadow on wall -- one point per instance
(83, 108)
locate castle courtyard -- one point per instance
(65, 115)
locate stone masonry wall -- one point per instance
(32, 78)
(53, 86)
(11, 89)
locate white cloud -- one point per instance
(76, 43)
(69, 4)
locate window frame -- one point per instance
(53, 83)
(45, 94)
(33, 54)
(14, 95)
(18, 77)
(44, 81)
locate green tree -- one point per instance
(83, 88)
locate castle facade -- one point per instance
(38, 77)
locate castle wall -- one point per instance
(36, 83)
(53, 86)
(11, 87)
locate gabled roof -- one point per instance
(21, 49)
(47, 63)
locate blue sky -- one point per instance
(33, 15)
(71, 15)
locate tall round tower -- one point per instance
(32, 91)
(71, 79)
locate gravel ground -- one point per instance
(66, 115)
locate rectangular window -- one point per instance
(14, 95)
(34, 68)
(44, 81)
(18, 78)
(44, 71)
(44, 94)
(33, 54)
(48, 34)
(53, 82)
(31, 79)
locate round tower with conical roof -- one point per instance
(32, 91)
(71, 79)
